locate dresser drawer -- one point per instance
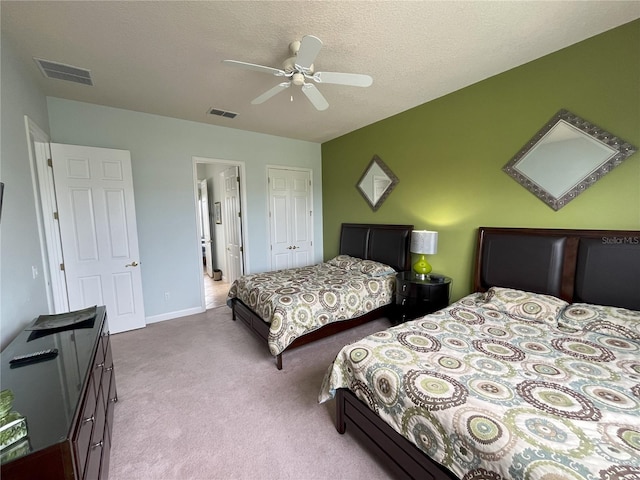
(94, 457)
(417, 297)
(107, 373)
(84, 431)
(111, 397)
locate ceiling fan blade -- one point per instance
(270, 93)
(314, 96)
(257, 68)
(309, 48)
(351, 79)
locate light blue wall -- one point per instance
(161, 154)
(22, 298)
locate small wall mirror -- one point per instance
(565, 157)
(376, 182)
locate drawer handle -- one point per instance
(114, 399)
(100, 365)
(97, 445)
(404, 287)
(108, 369)
(90, 419)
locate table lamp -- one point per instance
(423, 242)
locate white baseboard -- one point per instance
(171, 315)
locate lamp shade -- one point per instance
(424, 242)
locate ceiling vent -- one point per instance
(61, 71)
(222, 113)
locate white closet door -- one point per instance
(290, 218)
(94, 189)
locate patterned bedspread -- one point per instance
(499, 389)
(299, 300)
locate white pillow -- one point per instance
(529, 306)
(368, 267)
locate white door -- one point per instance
(232, 224)
(44, 190)
(94, 189)
(206, 226)
(290, 218)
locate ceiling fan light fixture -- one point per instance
(294, 47)
(298, 79)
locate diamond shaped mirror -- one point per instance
(565, 157)
(376, 182)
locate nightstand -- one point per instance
(416, 297)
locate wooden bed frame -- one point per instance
(590, 266)
(388, 244)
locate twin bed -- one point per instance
(535, 375)
(290, 308)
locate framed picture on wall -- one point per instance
(217, 213)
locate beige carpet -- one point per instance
(200, 398)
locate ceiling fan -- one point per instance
(298, 68)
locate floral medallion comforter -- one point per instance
(299, 300)
(507, 385)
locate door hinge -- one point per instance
(238, 179)
(62, 267)
(55, 215)
(240, 214)
(50, 162)
(241, 249)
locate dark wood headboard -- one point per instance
(388, 244)
(592, 266)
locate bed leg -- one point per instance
(340, 423)
(279, 362)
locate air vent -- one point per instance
(60, 71)
(222, 113)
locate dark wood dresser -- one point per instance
(68, 403)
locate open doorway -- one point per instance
(219, 191)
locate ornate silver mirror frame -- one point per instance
(376, 182)
(565, 157)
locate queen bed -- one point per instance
(534, 375)
(292, 307)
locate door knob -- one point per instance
(132, 264)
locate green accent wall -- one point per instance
(448, 153)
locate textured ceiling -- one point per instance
(165, 58)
